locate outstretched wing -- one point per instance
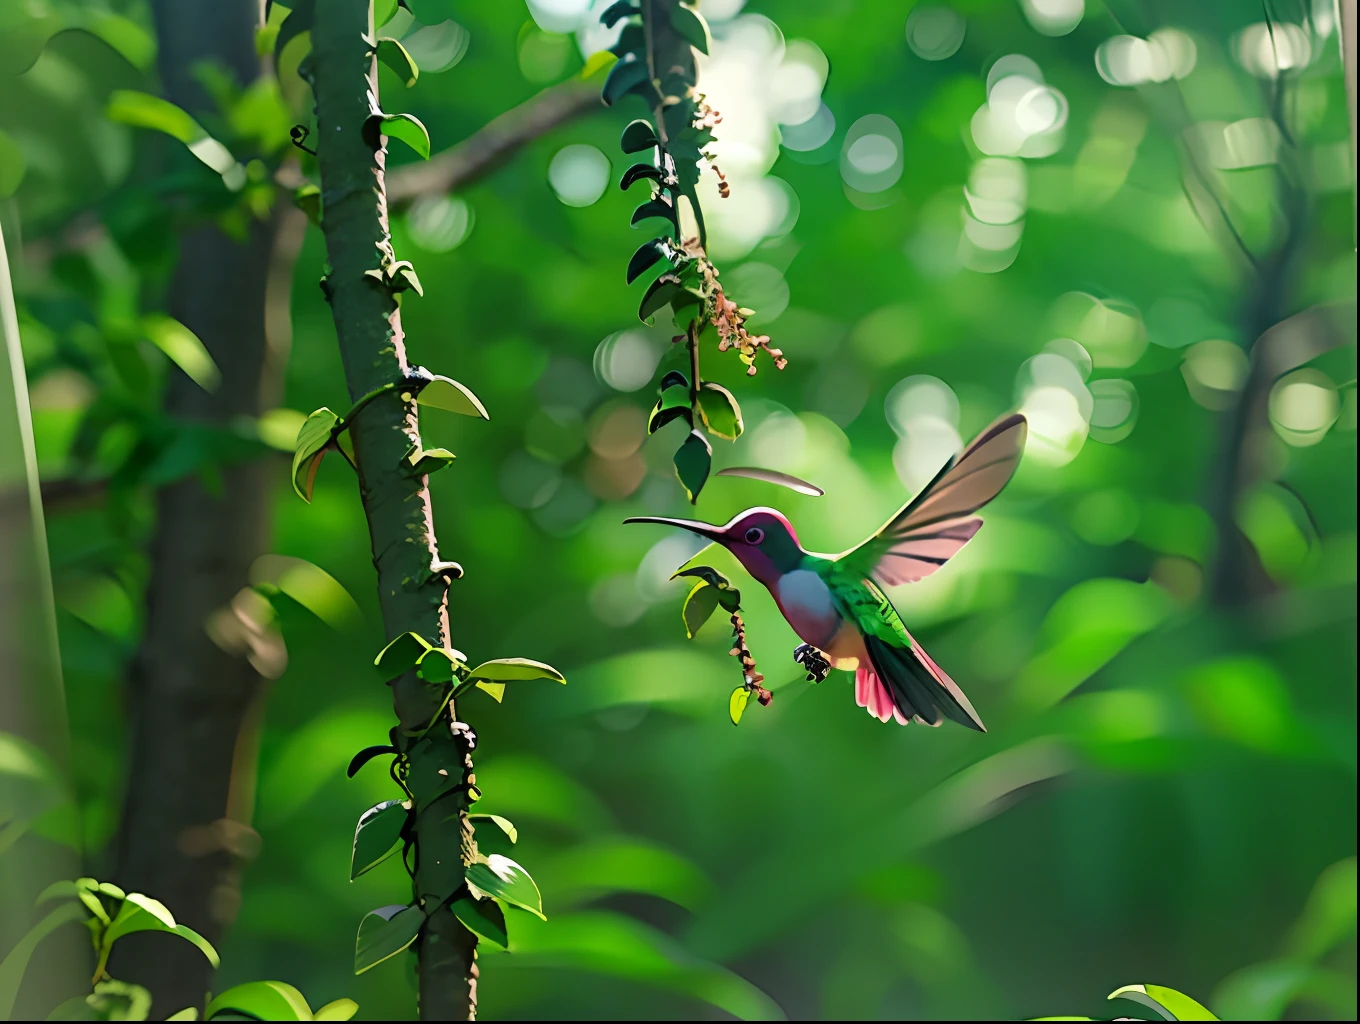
(930, 529)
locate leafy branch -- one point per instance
(656, 51)
(711, 590)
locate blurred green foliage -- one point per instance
(1169, 774)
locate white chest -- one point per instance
(806, 602)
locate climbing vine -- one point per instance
(656, 63)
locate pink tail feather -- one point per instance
(872, 695)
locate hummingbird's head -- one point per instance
(762, 539)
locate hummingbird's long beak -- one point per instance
(713, 533)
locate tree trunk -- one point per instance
(413, 597)
(193, 707)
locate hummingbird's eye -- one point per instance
(755, 535)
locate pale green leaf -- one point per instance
(446, 393)
(509, 670)
(314, 437)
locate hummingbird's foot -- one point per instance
(818, 668)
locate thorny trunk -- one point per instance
(396, 502)
(193, 708)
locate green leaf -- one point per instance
(188, 1013)
(263, 1000)
(183, 348)
(509, 670)
(402, 655)
(502, 878)
(394, 55)
(308, 200)
(637, 136)
(439, 665)
(298, 21)
(658, 294)
(640, 172)
(627, 75)
(647, 254)
(493, 831)
(377, 835)
(141, 913)
(657, 207)
(364, 756)
(337, 1009)
(673, 379)
(736, 704)
(719, 411)
(142, 110)
(691, 27)
(496, 691)
(406, 127)
(430, 460)
(692, 463)
(661, 415)
(699, 604)
(385, 932)
(1172, 1005)
(384, 11)
(484, 918)
(728, 595)
(436, 48)
(633, 39)
(314, 437)
(16, 961)
(615, 13)
(447, 393)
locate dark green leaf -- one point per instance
(661, 416)
(430, 460)
(482, 917)
(692, 463)
(509, 670)
(658, 294)
(385, 932)
(263, 1000)
(501, 877)
(314, 436)
(308, 200)
(627, 75)
(439, 665)
(719, 411)
(401, 655)
(646, 256)
(700, 603)
(447, 393)
(637, 136)
(364, 756)
(377, 835)
(736, 704)
(494, 833)
(684, 298)
(639, 172)
(657, 207)
(691, 27)
(298, 21)
(673, 378)
(633, 39)
(394, 55)
(615, 13)
(709, 575)
(406, 127)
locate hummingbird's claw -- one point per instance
(816, 663)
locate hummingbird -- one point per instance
(836, 604)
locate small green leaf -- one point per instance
(509, 670)
(692, 463)
(496, 691)
(385, 932)
(406, 127)
(384, 11)
(627, 75)
(377, 835)
(430, 460)
(447, 393)
(658, 294)
(615, 13)
(640, 172)
(394, 55)
(493, 830)
(736, 704)
(502, 878)
(183, 348)
(657, 207)
(65, 889)
(1172, 1005)
(364, 756)
(189, 1012)
(262, 1000)
(402, 276)
(401, 655)
(439, 665)
(337, 1009)
(637, 136)
(142, 110)
(709, 575)
(308, 200)
(673, 379)
(141, 913)
(661, 414)
(633, 39)
(436, 48)
(647, 254)
(314, 437)
(299, 20)
(484, 918)
(699, 604)
(719, 411)
(691, 27)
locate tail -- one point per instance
(906, 684)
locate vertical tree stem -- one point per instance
(396, 502)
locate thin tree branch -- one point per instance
(480, 152)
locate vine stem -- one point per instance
(396, 503)
(692, 342)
